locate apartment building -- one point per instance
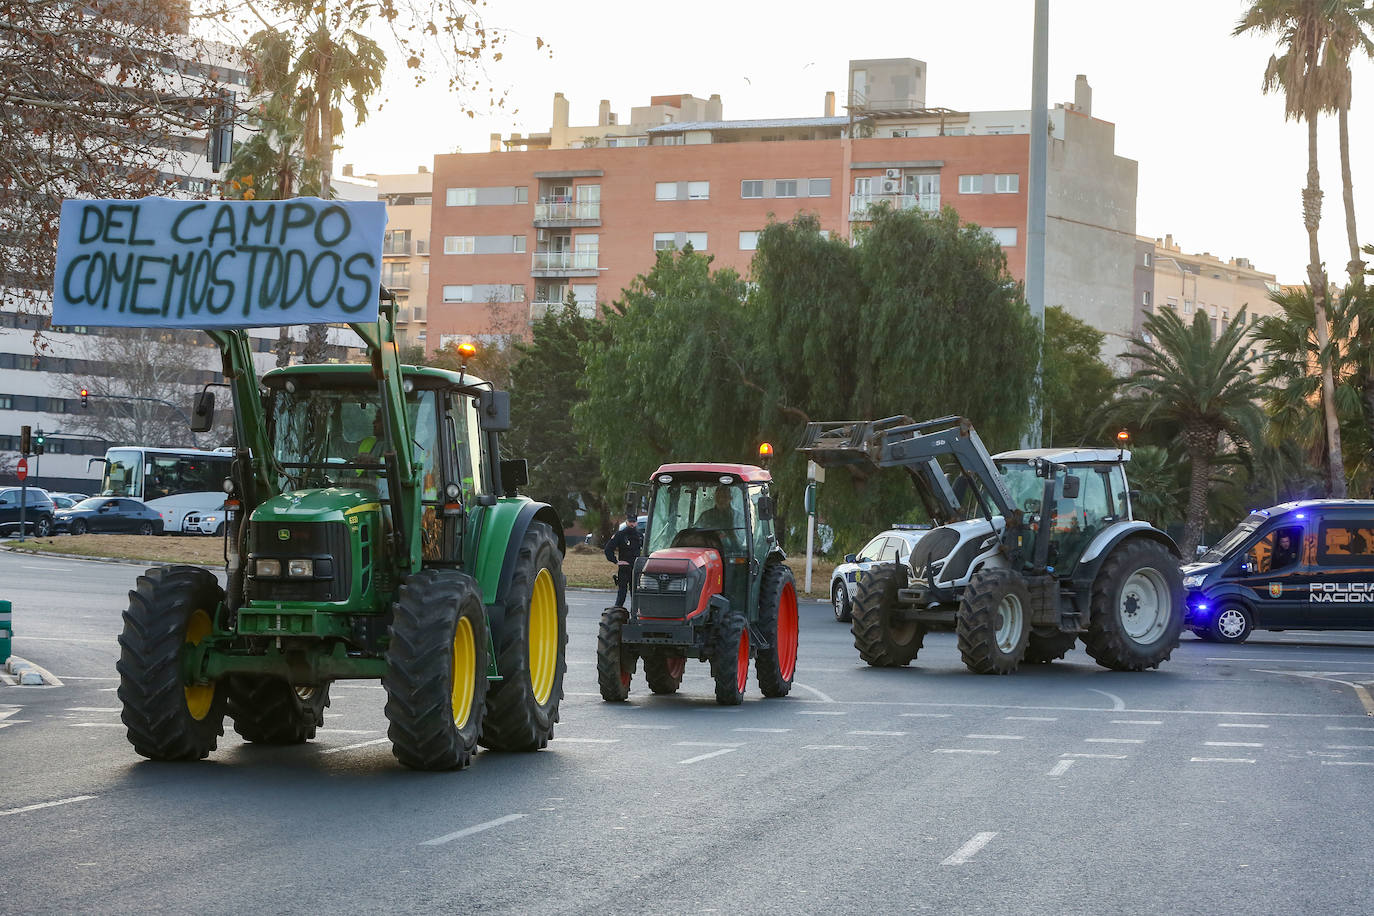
(585, 209)
(405, 251)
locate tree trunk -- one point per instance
(1316, 277)
(316, 348)
(1355, 268)
(283, 347)
(1201, 444)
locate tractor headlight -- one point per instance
(268, 569)
(1193, 581)
(300, 569)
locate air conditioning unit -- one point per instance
(892, 173)
(892, 186)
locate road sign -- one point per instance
(21, 470)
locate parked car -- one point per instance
(204, 522)
(891, 546)
(1306, 565)
(38, 508)
(109, 514)
(65, 500)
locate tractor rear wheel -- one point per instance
(522, 707)
(436, 679)
(777, 665)
(664, 672)
(881, 640)
(170, 609)
(268, 710)
(1041, 650)
(1137, 607)
(730, 661)
(614, 665)
(993, 623)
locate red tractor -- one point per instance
(710, 584)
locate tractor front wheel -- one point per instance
(268, 710)
(1137, 607)
(777, 665)
(436, 679)
(664, 672)
(614, 665)
(993, 623)
(168, 716)
(522, 707)
(730, 661)
(882, 640)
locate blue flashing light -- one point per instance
(1301, 515)
(1201, 607)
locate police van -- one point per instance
(1305, 565)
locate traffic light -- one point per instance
(25, 439)
(38, 444)
(85, 397)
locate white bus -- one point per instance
(172, 481)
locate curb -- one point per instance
(27, 674)
(81, 556)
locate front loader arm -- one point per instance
(250, 417)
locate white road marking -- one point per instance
(1243, 725)
(834, 747)
(95, 708)
(78, 677)
(95, 724)
(1238, 713)
(823, 697)
(48, 568)
(1361, 692)
(708, 744)
(1291, 660)
(1325, 763)
(1114, 740)
(821, 712)
(1231, 744)
(708, 756)
(963, 750)
(564, 740)
(347, 731)
(1095, 756)
(476, 828)
(1350, 747)
(924, 715)
(51, 804)
(970, 849)
(999, 737)
(88, 642)
(1140, 722)
(1060, 768)
(1221, 760)
(354, 747)
(879, 734)
(1035, 718)
(1349, 728)
(1118, 704)
(771, 731)
(661, 728)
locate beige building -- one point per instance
(405, 250)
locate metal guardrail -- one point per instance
(552, 210)
(566, 260)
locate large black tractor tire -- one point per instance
(167, 719)
(993, 622)
(1041, 650)
(778, 625)
(664, 672)
(615, 666)
(882, 641)
(268, 710)
(730, 660)
(1137, 607)
(436, 670)
(522, 707)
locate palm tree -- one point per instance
(1304, 32)
(1201, 386)
(1350, 22)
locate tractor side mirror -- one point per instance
(1071, 484)
(766, 508)
(203, 412)
(493, 411)
(515, 473)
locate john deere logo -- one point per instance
(284, 534)
(1275, 589)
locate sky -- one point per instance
(1219, 168)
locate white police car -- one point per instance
(891, 546)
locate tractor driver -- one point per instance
(721, 516)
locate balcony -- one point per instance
(395, 247)
(581, 263)
(553, 212)
(860, 204)
(399, 281)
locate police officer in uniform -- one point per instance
(622, 550)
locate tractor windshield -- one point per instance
(1027, 490)
(699, 513)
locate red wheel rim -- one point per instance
(624, 678)
(787, 632)
(742, 663)
(677, 666)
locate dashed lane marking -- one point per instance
(354, 747)
(1095, 756)
(51, 804)
(1114, 740)
(707, 756)
(1034, 718)
(1060, 768)
(469, 831)
(999, 737)
(924, 715)
(1349, 728)
(347, 731)
(1243, 725)
(879, 734)
(95, 724)
(822, 712)
(1140, 722)
(1294, 660)
(1335, 763)
(970, 849)
(1350, 747)
(964, 750)
(564, 740)
(769, 731)
(1221, 760)
(834, 747)
(95, 709)
(730, 744)
(1231, 744)
(79, 677)
(660, 728)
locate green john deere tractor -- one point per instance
(376, 534)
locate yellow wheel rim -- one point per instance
(543, 636)
(199, 697)
(464, 671)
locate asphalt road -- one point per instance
(1234, 778)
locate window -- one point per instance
(665, 190)
(862, 186)
(1187, 306)
(517, 244)
(424, 200)
(1171, 302)
(698, 190)
(697, 240)
(665, 241)
(1147, 259)
(396, 241)
(1006, 184)
(785, 187)
(749, 240)
(1000, 129)
(457, 293)
(970, 184)
(1006, 236)
(819, 187)
(522, 195)
(462, 197)
(459, 244)
(6, 402)
(396, 273)
(751, 189)
(1145, 298)
(1342, 543)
